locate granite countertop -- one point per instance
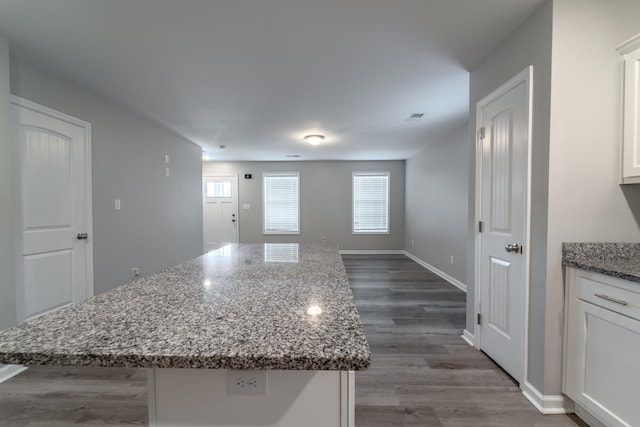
(240, 307)
(620, 260)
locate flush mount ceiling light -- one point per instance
(314, 139)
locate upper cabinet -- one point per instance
(630, 50)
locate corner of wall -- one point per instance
(7, 286)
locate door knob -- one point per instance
(83, 236)
(513, 247)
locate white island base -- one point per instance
(199, 397)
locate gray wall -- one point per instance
(528, 45)
(436, 204)
(575, 151)
(585, 201)
(160, 223)
(7, 288)
(325, 201)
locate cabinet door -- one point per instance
(631, 129)
(605, 365)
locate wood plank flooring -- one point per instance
(423, 373)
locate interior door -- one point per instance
(504, 130)
(53, 210)
(220, 216)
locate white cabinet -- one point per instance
(602, 347)
(631, 111)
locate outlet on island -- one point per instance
(249, 382)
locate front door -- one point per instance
(503, 122)
(220, 214)
(52, 209)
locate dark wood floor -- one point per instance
(422, 373)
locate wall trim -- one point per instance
(468, 337)
(547, 404)
(585, 416)
(9, 371)
(372, 252)
(458, 284)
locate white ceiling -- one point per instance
(258, 75)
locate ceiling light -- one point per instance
(314, 139)
(205, 156)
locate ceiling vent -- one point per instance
(293, 155)
(415, 117)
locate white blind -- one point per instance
(281, 203)
(371, 202)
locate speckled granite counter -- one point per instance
(620, 260)
(240, 307)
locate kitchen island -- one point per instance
(281, 308)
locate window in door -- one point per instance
(370, 202)
(218, 189)
(281, 193)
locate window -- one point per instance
(281, 192)
(371, 202)
(217, 189)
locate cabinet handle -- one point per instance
(608, 298)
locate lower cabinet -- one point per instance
(602, 347)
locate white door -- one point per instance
(52, 209)
(220, 214)
(504, 138)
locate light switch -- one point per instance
(246, 206)
(166, 159)
(166, 171)
(117, 205)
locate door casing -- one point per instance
(526, 77)
(17, 194)
(237, 201)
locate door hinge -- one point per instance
(480, 224)
(479, 319)
(482, 132)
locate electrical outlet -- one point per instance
(135, 272)
(451, 259)
(250, 382)
(324, 238)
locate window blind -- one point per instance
(281, 203)
(371, 202)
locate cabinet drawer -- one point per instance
(608, 292)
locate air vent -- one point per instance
(293, 155)
(415, 117)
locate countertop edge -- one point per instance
(602, 270)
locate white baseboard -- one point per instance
(588, 418)
(9, 371)
(547, 404)
(458, 284)
(469, 338)
(372, 252)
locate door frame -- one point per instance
(235, 177)
(526, 77)
(17, 193)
